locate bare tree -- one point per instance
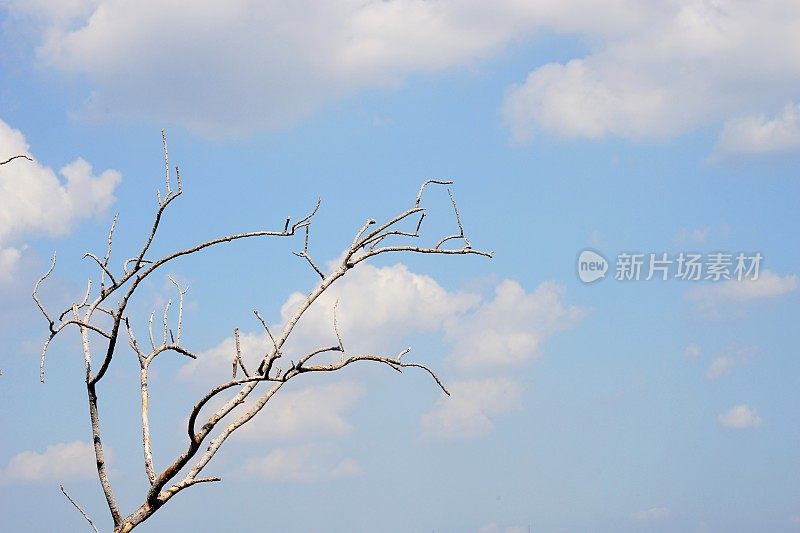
(101, 324)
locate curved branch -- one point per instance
(36, 295)
(103, 266)
(10, 159)
(395, 363)
(425, 184)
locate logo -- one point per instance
(591, 266)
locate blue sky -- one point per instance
(658, 127)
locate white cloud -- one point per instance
(653, 513)
(214, 365)
(58, 463)
(652, 71)
(469, 410)
(305, 463)
(692, 350)
(712, 297)
(740, 417)
(317, 410)
(254, 64)
(673, 67)
(508, 330)
(759, 134)
(37, 202)
(379, 307)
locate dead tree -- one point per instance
(101, 324)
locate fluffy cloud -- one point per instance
(36, 201)
(672, 68)
(59, 462)
(652, 71)
(759, 134)
(252, 64)
(740, 417)
(508, 330)
(378, 307)
(305, 463)
(469, 410)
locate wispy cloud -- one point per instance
(760, 134)
(740, 417)
(468, 412)
(653, 513)
(712, 298)
(725, 362)
(301, 464)
(692, 351)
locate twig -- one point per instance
(425, 184)
(108, 253)
(10, 159)
(166, 163)
(181, 292)
(36, 291)
(103, 269)
(78, 507)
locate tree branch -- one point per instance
(10, 159)
(78, 507)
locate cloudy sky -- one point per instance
(622, 127)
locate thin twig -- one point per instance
(336, 326)
(166, 163)
(165, 320)
(425, 184)
(78, 507)
(10, 159)
(237, 356)
(181, 292)
(104, 271)
(36, 291)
